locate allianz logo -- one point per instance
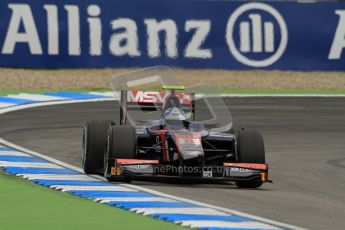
(256, 34)
(257, 45)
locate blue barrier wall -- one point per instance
(190, 34)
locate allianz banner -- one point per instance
(189, 34)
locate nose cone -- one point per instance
(189, 154)
(188, 144)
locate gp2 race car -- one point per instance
(172, 134)
(174, 146)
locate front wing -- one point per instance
(153, 169)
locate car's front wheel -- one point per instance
(121, 144)
(250, 149)
(94, 137)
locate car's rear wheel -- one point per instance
(251, 149)
(94, 137)
(121, 144)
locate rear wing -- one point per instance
(152, 101)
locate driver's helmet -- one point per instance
(174, 114)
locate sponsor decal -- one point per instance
(135, 161)
(247, 165)
(189, 145)
(207, 173)
(113, 171)
(141, 131)
(239, 170)
(156, 97)
(148, 169)
(220, 135)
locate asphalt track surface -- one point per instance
(305, 148)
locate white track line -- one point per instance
(46, 103)
(3, 104)
(226, 224)
(274, 95)
(29, 165)
(105, 94)
(194, 211)
(36, 97)
(113, 188)
(56, 177)
(13, 154)
(63, 164)
(133, 199)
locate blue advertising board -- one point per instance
(189, 34)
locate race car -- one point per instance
(174, 146)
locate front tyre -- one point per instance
(121, 144)
(251, 149)
(94, 137)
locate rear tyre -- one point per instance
(94, 137)
(251, 149)
(121, 144)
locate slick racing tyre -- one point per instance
(121, 144)
(94, 138)
(251, 149)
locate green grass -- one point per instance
(225, 91)
(24, 205)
